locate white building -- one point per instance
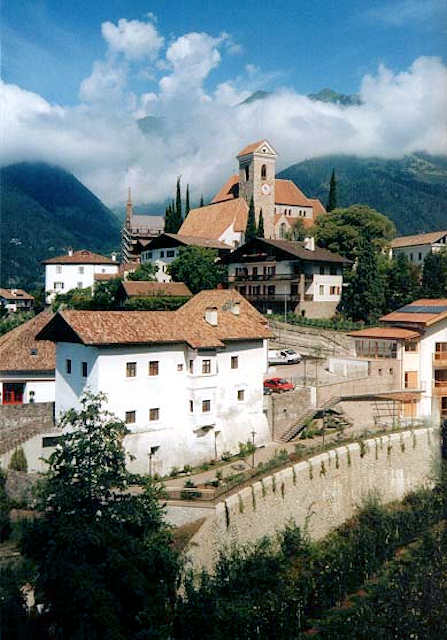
(415, 336)
(27, 367)
(189, 382)
(417, 247)
(16, 300)
(164, 249)
(76, 270)
(287, 275)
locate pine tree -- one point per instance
(168, 219)
(187, 207)
(260, 232)
(363, 298)
(250, 231)
(178, 218)
(332, 200)
(201, 200)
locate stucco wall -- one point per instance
(320, 493)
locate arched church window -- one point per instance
(263, 171)
(246, 172)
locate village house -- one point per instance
(134, 289)
(16, 300)
(417, 247)
(27, 367)
(188, 383)
(166, 247)
(415, 337)
(281, 203)
(77, 270)
(285, 275)
(137, 232)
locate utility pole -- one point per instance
(253, 433)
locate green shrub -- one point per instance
(5, 507)
(18, 460)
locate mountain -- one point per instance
(44, 210)
(329, 95)
(257, 95)
(412, 190)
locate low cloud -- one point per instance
(195, 128)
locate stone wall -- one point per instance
(321, 493)
(284, 410)
(18, 423)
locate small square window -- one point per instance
(179, 367)
(206, 366)
(68, 365)
(170, 254)
(153, 368)
(234, 362)
(130, 417)
(191, 406)
(131, 369)
(154, 414)
(58, 268)
(81, 269)
(162, 254)
(206, 406)
(84, 369)
(191, 366)
(241, 394)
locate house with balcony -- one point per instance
(415, 337)
(16, 300)
(188, 383)
(287, 276)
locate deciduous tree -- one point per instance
(197, 268)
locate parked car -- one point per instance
(284, 356)
(278, 385)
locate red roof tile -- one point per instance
(211, 221)
(386, 333)
(20, 351)
(15, 294)
(83, 256)
(145, 288)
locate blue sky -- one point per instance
(78, 76)
(49, 46)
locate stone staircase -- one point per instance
(297, 427)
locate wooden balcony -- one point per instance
(440, 387)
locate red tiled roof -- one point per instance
(229, 191)
(83, 256)
(15, 294)
(20, 351)
(419, 239)
(185, 325)
(385, 333)
(318, 208)
(423, 317)
(286, 192)
(251, 148)
(145, 288)
(211, 221)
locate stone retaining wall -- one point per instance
(18, 423)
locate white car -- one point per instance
(284, 356)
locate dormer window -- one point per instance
(264, 171)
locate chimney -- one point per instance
(236, 308)
(309, 243)
(13, 292)
(211, 316)
(70, 251)
(113, 256)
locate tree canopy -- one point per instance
(434, 275)
(146, 271)
(343, 229)
(197, 268)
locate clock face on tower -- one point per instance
(265, 189)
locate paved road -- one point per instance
(308, 370)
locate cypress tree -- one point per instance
(177, 217)
(260, 232)
(168, 219)
(332, 200)
(187, 207)
(250, 231)
(201, 200)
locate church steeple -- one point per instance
(129, 210)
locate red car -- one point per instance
(278, 385)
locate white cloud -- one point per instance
(402, 12)
(134, 39)
(198, 130)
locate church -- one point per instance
(281, 202)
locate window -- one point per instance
(234, 362)
(419, 256)
(411, 346)
(68, 365)
(162, 254)
(391, 371)
(79, 285)
(58, 268)
(84, 369)
(332, 291)
(411, 257)
(50, 441)
(206, 366)
(81, 269)
(154, 414)
(179, 367)
(149, 255)
(321, 289)
(32, 396)
(153, 368)
(206, 406)
(131, 369)
(191, 406)
(264, 171)
(58, 285)
(321, 270)
(379, 372)
(247, 172)
(240, 394)
(333, 270)
(129, 417)
(191, 366)
(170, 253)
